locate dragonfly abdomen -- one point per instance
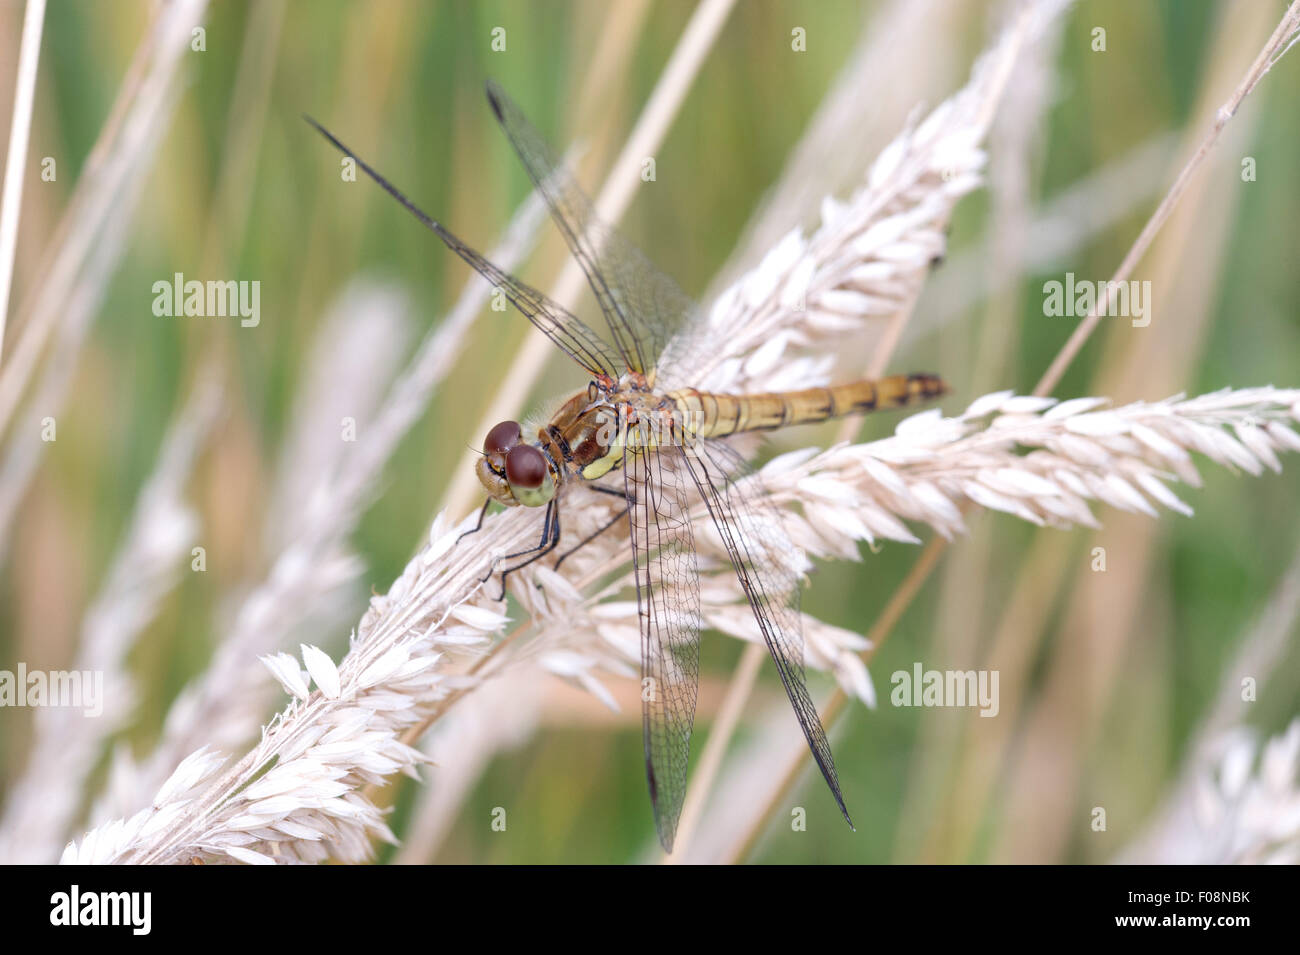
(710, 415)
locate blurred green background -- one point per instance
(402, 83)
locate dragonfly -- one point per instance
(641, 415)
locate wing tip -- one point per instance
(665, 828)
(667, 815)
(495, 97)
(311, 121)
(333, 140)
(844, 810)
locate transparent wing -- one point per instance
(644, 307)
(555, 321)
(759, 549)
(668, 600)
(562, 327)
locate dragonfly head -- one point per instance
(512, 471)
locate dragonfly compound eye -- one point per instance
(530, 478)
(525, 467)
(502, 438)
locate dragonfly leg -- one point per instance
(590, 537)
(550, 538)
(622, 496)
(479, 526)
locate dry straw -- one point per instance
(19, 129)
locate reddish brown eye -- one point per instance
(502, 438)
(525, 467)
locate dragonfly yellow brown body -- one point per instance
(593, 431)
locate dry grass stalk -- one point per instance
(20, 128)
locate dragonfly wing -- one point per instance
(558, 324)
(668, 601)
(759, 548)
(643, 306)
